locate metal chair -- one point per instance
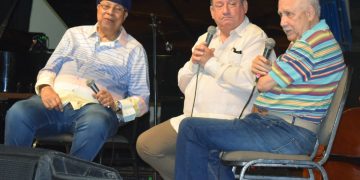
(326, 135)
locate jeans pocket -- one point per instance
(291, 146)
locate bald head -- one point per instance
(298, 16)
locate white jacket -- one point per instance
(225, 83)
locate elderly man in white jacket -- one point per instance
(217, 81)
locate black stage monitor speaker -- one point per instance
(39, 164)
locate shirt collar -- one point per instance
(321, 25)
(91, 31)
(237, 30)
(122, 38)
(241, 27)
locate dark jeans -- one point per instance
(91, 125)
(198, 138)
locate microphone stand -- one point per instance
(154, 31)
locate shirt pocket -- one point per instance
(234, 58)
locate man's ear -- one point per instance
(310, 13)
(211, 11)
(126, 15)
(245, 4)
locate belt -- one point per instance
(297, 121)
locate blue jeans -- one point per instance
(91, 125)
(198, 138)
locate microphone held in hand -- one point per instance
(92, 85)
(210, 34)
(269, 46)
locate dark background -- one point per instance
(178, 22)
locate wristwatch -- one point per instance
(117, 106)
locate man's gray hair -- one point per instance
(316, 5)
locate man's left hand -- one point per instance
(105, 98)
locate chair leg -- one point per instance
(136, 170)
(112, 154)
(323, 173)
(311, 174)
(237, 176)
(67, 148)
(101, 156)
(135, 162)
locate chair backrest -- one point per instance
(346, 142)
(330, 124)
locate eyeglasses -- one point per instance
(231, 4)
(115, 8)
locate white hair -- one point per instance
(316, 5)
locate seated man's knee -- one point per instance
(146, 148)
(99, 122)
(141, 144)
(21, 110)
(187, 122)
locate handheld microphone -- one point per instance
(91, 84)
(269, 45)
(210, 34)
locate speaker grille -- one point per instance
(19, 168)
(39, 164)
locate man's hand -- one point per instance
(260, 66)
(201, 54)
(105, 98)
(50, 98)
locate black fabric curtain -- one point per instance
(19, 18)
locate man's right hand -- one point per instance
(50, 98)
(201, 54)
(261, 66)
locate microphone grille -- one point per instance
(211, 30)
(90, 82)
(270, 43)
